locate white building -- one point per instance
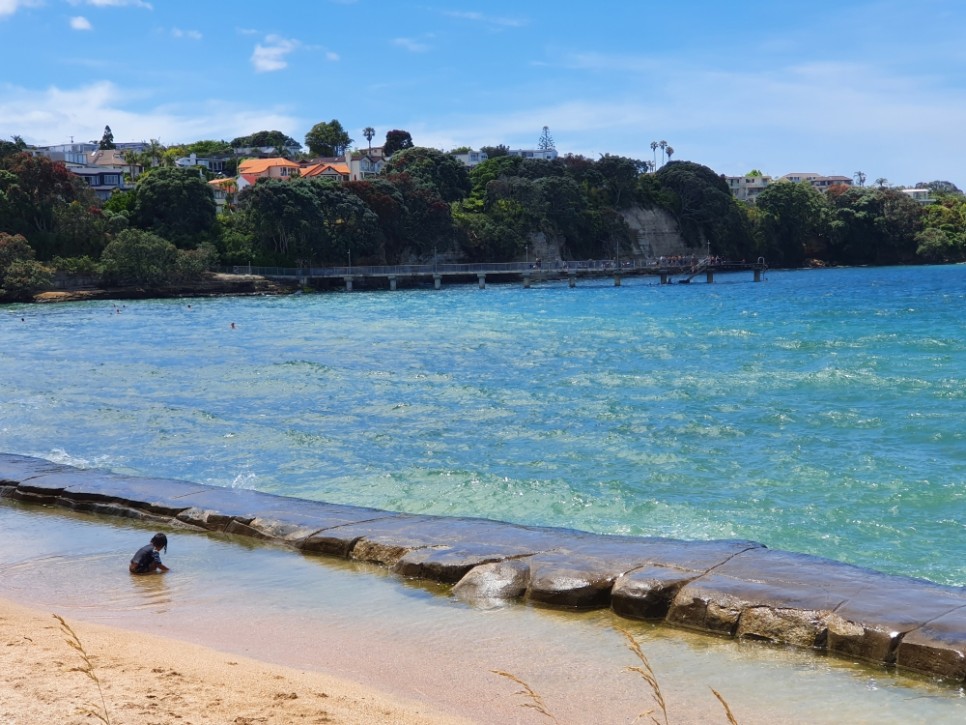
(923, 196)
(543, 154)
(747, 188)
(471, 158)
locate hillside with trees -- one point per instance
(426, 202)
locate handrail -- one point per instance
(606, 266)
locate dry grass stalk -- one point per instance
(533, 697)
(647, 673)
(87, 668)
(731, 716)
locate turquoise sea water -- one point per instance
(818, 411)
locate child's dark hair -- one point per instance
(160, 541)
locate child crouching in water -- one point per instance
(147, 558)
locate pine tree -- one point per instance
(107, 140)
(546, 140)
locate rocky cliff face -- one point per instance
(657, 233)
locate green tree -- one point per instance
(369, 132)
(107, 140)
(176, 204)
(874, 226)
(545, 143)
(265, 139)
(281, 217)
(79, 230)
(396, 140)
(37, 184)
(439, 170)
(20, 275)
(387, 202)
(619, 175)
(139, 257)
(121, 202)
(935, 245)
(13, 247)
(705, 210)
(493, 152)
(24, 278)
(327, 139)
(14, 146)
(493, 168)
(794, 219)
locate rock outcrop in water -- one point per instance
(734, 588)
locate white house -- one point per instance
(471, 158)
(747, 188)
(544, 154)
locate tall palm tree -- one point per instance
(859, 177)
(663, 145)
(654, 149)
(882, 182)
(669, 151)
(369, 132)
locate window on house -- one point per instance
(111, 179)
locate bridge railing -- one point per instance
(675, 265)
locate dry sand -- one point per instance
(149, 680)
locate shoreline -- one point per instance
(392, 640)
(733, 588)
(145, 678)
(216, 285)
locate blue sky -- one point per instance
(861, 85)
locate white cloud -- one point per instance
(54, 115)
(486, 19)
(79, 22)
(330, 55)
(9, 7)
(271, 56)
(410, 44)
(114, 3)
(187, 34)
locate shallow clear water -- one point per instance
(819, 411)
(415, 640)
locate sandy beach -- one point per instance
(147, 679)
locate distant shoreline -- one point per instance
(216, 285)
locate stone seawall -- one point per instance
(734, 588)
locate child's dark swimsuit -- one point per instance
(145, 559)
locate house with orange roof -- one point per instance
(335, 170)
(277, 168)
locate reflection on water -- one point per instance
(413, 638)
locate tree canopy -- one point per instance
(445, 174)
(176, 204)
(327, 139)
(265, 139)
(396, 140)
(107, 140)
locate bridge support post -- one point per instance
(526, 281)
(482, 278)
(348, 283)
(437, 281)
(664, 278)
(572, 280)
(392, 283)
(757, 274)
(617, 280)
(709, 275)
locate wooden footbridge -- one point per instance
(668, 270)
